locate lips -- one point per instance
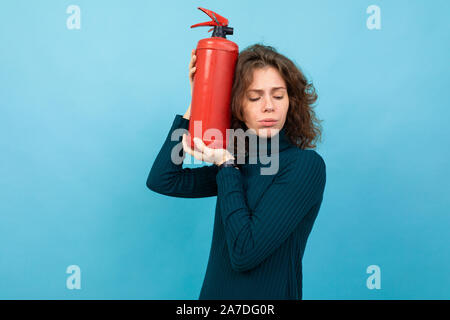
(268, 122)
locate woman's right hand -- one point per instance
(192, 68)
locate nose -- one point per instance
(268, 106)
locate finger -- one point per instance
(186, 148)
(201, 146)
(192, 62)
(191, 78)
(196, 154)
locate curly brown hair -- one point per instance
(302, 126)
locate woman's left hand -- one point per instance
(204, 153)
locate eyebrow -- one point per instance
(262, 91)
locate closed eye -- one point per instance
(255, 99)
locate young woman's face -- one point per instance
(266, 98)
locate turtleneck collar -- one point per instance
(266, 146)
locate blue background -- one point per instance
(84, 113)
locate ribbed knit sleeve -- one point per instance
(254, 235)
(171, 179)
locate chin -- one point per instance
(267, 132)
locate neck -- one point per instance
(259, 147)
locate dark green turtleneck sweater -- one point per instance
(262, 221)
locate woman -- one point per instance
(262, 221)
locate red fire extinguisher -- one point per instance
(212, 83)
